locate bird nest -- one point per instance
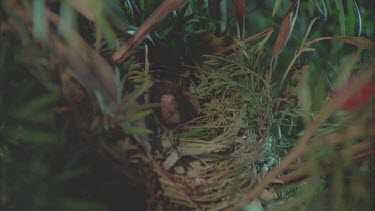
(215, 175)
(214, 157)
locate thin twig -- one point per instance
(301, 50)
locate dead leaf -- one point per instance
(87, 66)
(286, 28)
(171, 160)
(239, 11)
(193, 101)
(360, 42)
(87, 12)
(255, 204)
(150, 23)
(278, 181)
(268, 195)
(247, 40)
(179, 170)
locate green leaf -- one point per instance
(120, 83)
(359, 19)
(128, 4)
(305, 98)
(350, 17)
(346, 70)
(71, 173)
(262, 43)
(341, 17)
(146, 106)
(73, 204)
(190, 133)
(360, 42)
(33, 136)
(138, 116)
(39, 19)
(136, 93)
(101, 103)
(276, 7)
(36, 110)
(107, 31)
(137, 130)
(171, 160)
(67, 22)
(329, 7)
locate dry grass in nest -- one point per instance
(213, 159)
(214, 184)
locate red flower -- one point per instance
(360, 98)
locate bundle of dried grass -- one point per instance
(213, 159)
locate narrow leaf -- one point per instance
(67, 20)
(83, 8)
(130, 99)
(341, 18)
(35, 105)
(276, 7)
(137, 130)
(350, 17)
(286, 28)
(328, 4)
(359, 18)
(138, 116)
(346, 71)
(305, 97)
(239, 11)
(360, 42)
(39, 19)
(33, 136)
(166, 7)
(171, 160)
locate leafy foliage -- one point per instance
(54, 142)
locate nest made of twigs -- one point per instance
(212, 159)
(215, 183)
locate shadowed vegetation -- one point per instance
(187, 104)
